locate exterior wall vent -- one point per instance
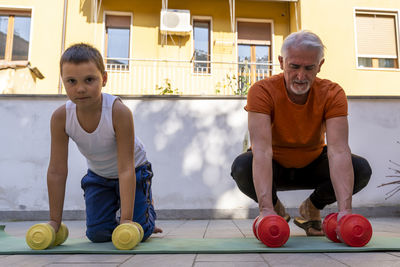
(175, 21)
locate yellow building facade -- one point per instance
(197, 47)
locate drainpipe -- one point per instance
(63, 41)
(232, 14)
(297, 18)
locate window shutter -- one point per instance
(254, 33)
(22, 13)
(118, 21)
(376, 35)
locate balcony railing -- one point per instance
(155, 77)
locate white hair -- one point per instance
(303, 39)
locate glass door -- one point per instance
(253, 64)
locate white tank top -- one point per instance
(100, 146)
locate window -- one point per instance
(201, 54)
(14, 35)
(377, 40)
(254, 52)
(117, 42)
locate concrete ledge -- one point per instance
(173, 97)
(39, 215)
(196, 214)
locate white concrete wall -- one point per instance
(191, 143)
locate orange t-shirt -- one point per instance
(298, 131)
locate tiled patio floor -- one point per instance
(208, 229)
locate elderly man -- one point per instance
(288, 117)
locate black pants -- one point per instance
(313, 176)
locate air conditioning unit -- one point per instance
(175, 21)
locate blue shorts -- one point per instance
(102, 199)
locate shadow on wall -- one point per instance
(25, 142)
(85, 7)
(192, 144)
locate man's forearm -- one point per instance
(262, 178)
(342, 177)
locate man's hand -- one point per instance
(266, 212)
(343, 213)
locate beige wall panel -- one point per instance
(80, 27)
(148, 43)
(316, 15)
(17, 81)
(333, 21)
(279, 12)
(295, 17)
(45, 41)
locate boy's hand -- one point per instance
(125, 221)
(155, 231)
(55, 225)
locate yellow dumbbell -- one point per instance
(126, 236)
(140, 230)
(41, 236)
(61, 235)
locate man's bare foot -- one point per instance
(157, 230)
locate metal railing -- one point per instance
(155, 76)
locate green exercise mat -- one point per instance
(155, 245)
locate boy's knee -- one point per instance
(99, 236)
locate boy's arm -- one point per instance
(124, 133)
(58, 166)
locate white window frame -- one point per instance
(205, 18)
(118, 13)
(31, 34)
(372, 11)
(272, 37)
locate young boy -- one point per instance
(102, 127)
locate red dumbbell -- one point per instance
(254, 227)
(329, 227)
(353, 229)
(271, 230)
